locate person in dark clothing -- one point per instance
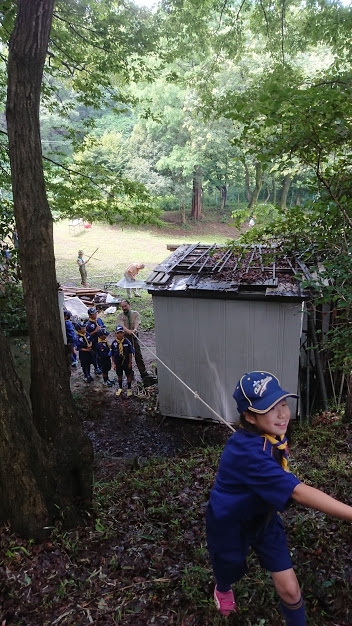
(130, 321)
(86, 354)
(103, 356)
(70, 338)
(121, 356)
(94, 326)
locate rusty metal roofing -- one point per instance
(255, 271)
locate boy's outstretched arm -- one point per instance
(316, 499)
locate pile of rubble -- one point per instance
(79, 299)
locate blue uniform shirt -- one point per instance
(115, 352)
(250, 483)
(91, 325)
(103, 350)
(70, 332)
(82, 341)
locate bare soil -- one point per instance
(131, 430)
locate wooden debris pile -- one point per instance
(92, 296)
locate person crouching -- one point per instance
(121, 359)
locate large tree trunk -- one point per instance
(285, 190)
(347, 418)
(183, 214)
(247, 184)
(53, 411)
(258, 184)
(23, 455)
(196, 212)
(223, 196)
(274, 189)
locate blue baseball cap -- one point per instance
(119, 329)
(259, 392)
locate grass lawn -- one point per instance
(120, 246)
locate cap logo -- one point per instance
(259, 386)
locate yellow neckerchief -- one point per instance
(102, 339)
(84, 336)
(279, 445)
(120, 344)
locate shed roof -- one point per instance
(248, 272)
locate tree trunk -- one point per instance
(23, 456)
(223, 197)
(258, 185)
(274, 189)
(183, 214)
(196, 212)
(285, 190)
(247, 184)
(347, 418)
(69, 480)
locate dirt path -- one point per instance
(131, 429)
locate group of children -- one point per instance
(253, 483)
(89, 341)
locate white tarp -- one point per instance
(110, 298)
(76, 306)
(131, 284)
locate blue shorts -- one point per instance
(229, 554)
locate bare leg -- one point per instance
(292, 603)
(287, 586)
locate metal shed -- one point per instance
(221, 312)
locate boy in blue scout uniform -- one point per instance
(86, 354)
(252, 484)
(103, 356)
(70, 338)
(94, 326)
(121, 356)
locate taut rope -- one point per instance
(195, 393)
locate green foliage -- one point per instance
(12, 312)
(168, 203)
(145, 308)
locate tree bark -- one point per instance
(196, 212)
(183, 214)
(274, 189)
(347, 418)
(258, 185)
(247, 184)
(285, 190)
(223, 196)
(23, 455)
(53, 413)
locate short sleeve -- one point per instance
(268, 480)
(249, 470)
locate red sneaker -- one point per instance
(225, 602)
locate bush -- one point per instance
(13, 319)
(168, 203)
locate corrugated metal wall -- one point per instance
(210, 343)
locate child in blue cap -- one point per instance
(121, 351)
(252, 484)
(103, 356)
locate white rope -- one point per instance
(195, 393)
